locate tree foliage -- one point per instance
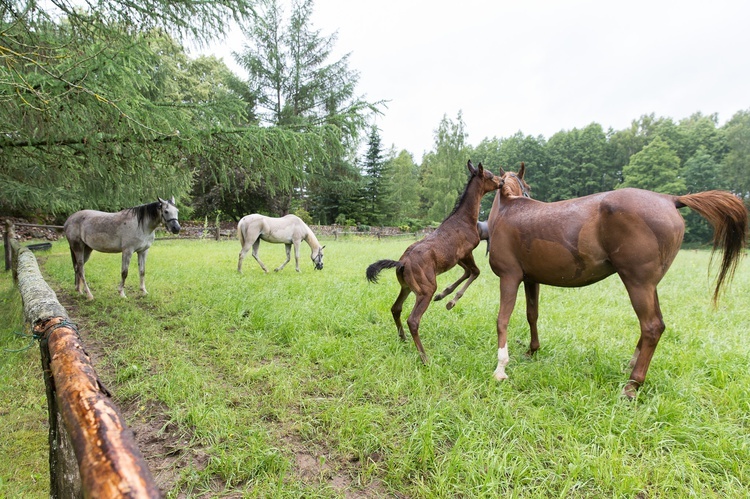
(444, 171)
(93, 110)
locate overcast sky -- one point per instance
(536, 66)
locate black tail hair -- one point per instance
(374, 269)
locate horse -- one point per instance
(634, 233)
(451, 244)
(127, 231)
(289, 229)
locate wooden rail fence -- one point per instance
(92, 453)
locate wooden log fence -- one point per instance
(92, 452)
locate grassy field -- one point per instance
(296, 385)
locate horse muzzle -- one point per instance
(173, 226)
(319, 266)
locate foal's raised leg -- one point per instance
(288, 257)
(531, 289)
(645, 301)
(126, 254)
(142, 269)
(449, 289)
(508, 293)
(470, 267)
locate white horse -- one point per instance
(127, 231)
(289, 230)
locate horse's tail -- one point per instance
(374, 269)
(728, 216)
(241, 234)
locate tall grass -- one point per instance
(296, 385)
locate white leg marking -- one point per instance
(502, 360)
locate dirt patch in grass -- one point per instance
(169, 449)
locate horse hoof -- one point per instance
(438, 298)
(630, 390)
(450, 304)
(500, 375)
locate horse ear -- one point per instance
(522, 170)
(161, 200)
(480, 170)
(172, 200)
(500, 172)
(471, 168)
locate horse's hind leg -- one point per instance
(531, 289)
(645, 301)
(256, 244)
(126, 254)
(396, 309)
(142, 269)
(245, 248)
(420, 307)
(80, 254)
(288, 257)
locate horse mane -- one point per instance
(144, 211)
(460, 199)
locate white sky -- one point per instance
(538, 66)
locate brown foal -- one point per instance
(451, 244)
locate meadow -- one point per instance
(296, 384)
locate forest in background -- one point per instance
(104, 109)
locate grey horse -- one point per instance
(128, 231)
(289, 229)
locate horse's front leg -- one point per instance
(296, 256)
(508, 293)
(126, 254)
(453, 286)
(288, 257)
(473, 271)
(531, 289)
(142, 269)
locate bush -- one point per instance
(304, 215)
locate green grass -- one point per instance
(260, 373)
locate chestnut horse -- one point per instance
(632, 232)
(451, 244)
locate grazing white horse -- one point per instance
(128, 231)
(289, 230)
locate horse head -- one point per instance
(169, 212)
(514, 184)
(490, 182)
(318, 259)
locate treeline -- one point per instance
(691, 155)
(105, 109)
